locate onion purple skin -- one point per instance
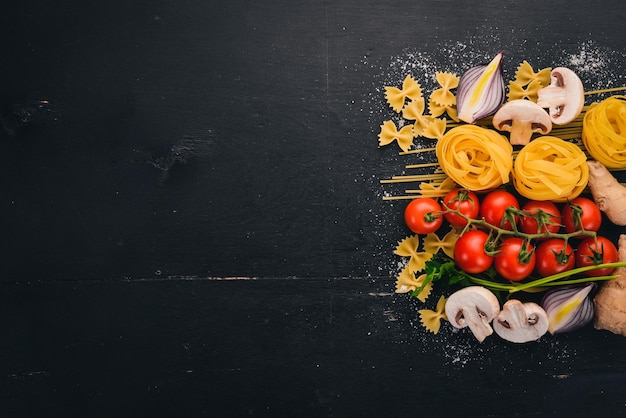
(584, 313)
(496, 91)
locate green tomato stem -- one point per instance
(499, 232)
(549, 280)
(545, 280)
(578, 281)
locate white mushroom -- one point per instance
(473, 307)
(564, 97)
(521, 322)
(522, 118)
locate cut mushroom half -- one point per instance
(564, 97)
(522, 118)
(521, 322)
(474, 307)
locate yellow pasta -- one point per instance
(549, 168)
(525, 74)
(407, 282)
(408, 248)
(528, 92)
(432, 243)
(528, 82)
(437, 110)
(435, 129)
(475, 158)
(396, 97)
(414, 111)
(389, 133)
(443, 96)
(604, 131)
(432, 319)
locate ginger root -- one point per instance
(607, 192)
(610, 302)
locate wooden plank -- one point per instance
(340, 347)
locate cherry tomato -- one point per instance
(469, 252)
(581, 213)
(593, 251)
(547, 213)
(515, 260)
(423, 215)
(554, 256)
(465, 201)
(493, 206)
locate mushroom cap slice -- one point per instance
(564, 97)
(521, 118)
(474, 307)
(521, 322)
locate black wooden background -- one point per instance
(193, 223)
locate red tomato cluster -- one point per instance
(516, 258)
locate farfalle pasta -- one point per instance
(389, 133)
(475, 158)
(432, 243)
(408, 248)
(396, 97)
(407, 282)
(443, 96)
(528, 92)
(430, 319)
(604, 131)
(549, 168)
(442, 100)
(414, 110)
(528, 82)
(525, 74)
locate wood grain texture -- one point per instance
(201, 139)
(276, 347)
(152, 150)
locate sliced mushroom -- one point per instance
(521, 322)
(522, 118)
(564, 97)
(473, 307)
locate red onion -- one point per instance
(569, 308)
(481, 91)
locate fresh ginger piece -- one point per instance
(607, 192)
(610, 302)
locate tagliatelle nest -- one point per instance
(604, 131)
(549, 168)
(475, 158)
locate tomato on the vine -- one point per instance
(593, 251)
(470, 254)
(516, 259)
(581, 214)
(464, 201)
(493, 208)
(423, 215)
(541, 212)
(554, 256)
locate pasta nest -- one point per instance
(604, 131)
(475, 158)
(549, 168)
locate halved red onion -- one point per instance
(481, 91)
(569, 308)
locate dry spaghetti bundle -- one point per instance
(549, 168)
(475, 158)
(604, 131)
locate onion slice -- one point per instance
(481, 91)
(569, 308)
